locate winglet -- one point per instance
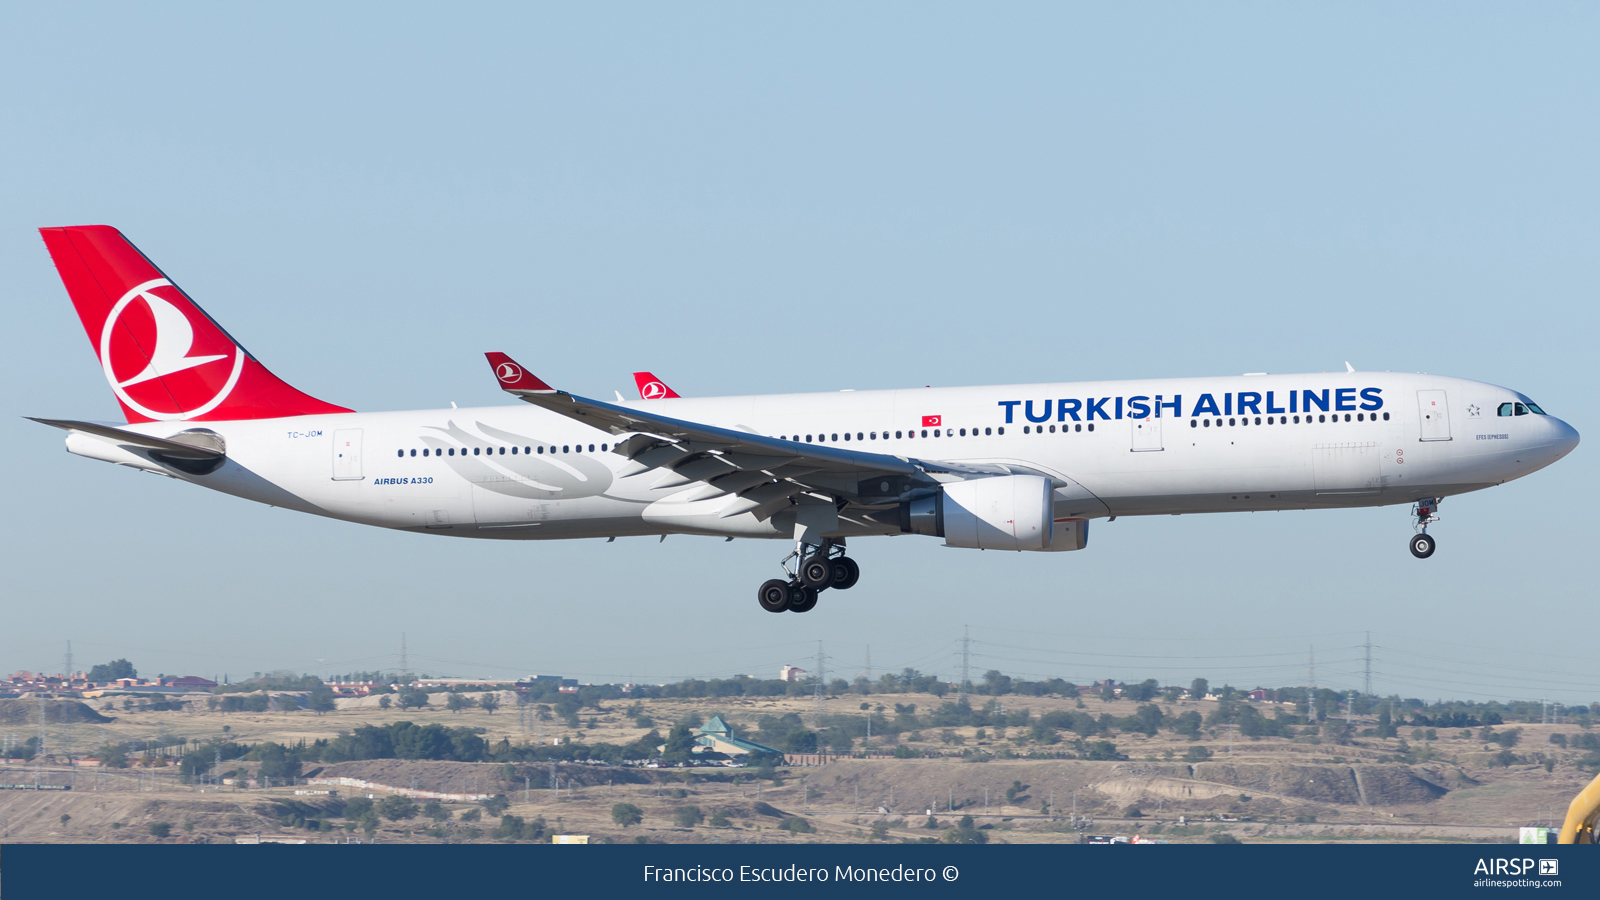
(513, 377)
(653, 388)
(1348, 367)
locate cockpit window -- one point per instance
(1535, 407)
(1504, 410)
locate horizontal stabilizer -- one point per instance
(174, 449)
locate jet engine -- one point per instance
(1007, 512)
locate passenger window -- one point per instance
(413, 453)
(1000, 430)
(1052, 429)
(591, 448)
(476, 451)
(808, 438)
(1258, 420)
(1194, 423)
(565, 449)
(1230, 422)
(1024, 429)
(858, 435)
(1077, 428)
(1091, 428)
(539, 450)
(400, 453)
(924, 432)
(897, 434)
(988, 431)
(1208, 423)
(602, 448)
(452, 451)
(833, 437)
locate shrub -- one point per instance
(626, 814)
(687, 816)
(160, 829)
(797, 825)
(1224, 838)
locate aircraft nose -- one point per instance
(1565, 439)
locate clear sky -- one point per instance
(764, 198)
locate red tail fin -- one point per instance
(652, 388)
(165, 358)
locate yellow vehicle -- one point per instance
(1582, 816)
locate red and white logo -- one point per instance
(932, 421)
(159, 334)
(653, 390)
(509, 373)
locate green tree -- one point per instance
(413, 699)
(160, 829)
(436, 811)
(1199, 688)
(1196, 753)
(625, 814)
(396, 808)
(111, 671)
(321, 702)
(797, 825)
(496, 805)
(1386, 727)
(455, 702)
(687, 816)
(679, 744)
(718, 820)
(356, 807)
(369, 822)
(965, 832)
(489, 702)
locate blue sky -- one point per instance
(752, 199)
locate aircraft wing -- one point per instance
(762, 470)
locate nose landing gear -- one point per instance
(1422, 544)
(819, 568)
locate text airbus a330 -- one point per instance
(1013, 467)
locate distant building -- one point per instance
(189, 683)
(716, 736)
(1257, 695)
(791, 673)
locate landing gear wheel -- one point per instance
(774, 596)
(802, 599)
(1422, 546)
(845, 573)
(817, 572)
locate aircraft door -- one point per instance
(347, 454)
(1146, 434)
(1434, 415)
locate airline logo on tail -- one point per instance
(166, 338)
(165, 359)
(652, 388)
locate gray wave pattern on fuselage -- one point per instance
(536, 478)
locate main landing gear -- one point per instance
(1422, 543)
(819, 568)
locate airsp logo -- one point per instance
(655, 390)
(508, 373)
(167, 356)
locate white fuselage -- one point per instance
(1238, 443)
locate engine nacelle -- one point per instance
(1008, 512)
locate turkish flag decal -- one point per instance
(931, 421)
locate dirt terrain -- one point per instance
(1272, 789)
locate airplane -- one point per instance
(653, 388)
(1022, 467)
